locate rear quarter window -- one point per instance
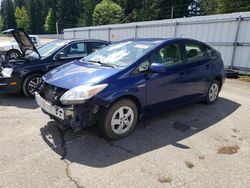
(195, 52)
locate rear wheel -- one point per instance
(119, 120)
(213, 92)
(30, 84)
(13, 54)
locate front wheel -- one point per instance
(213, 92)
(30, 84)
(119, 120)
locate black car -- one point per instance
(24, 73)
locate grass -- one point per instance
(229, 150)
(189, 164)
(245, 78)
(165, 179)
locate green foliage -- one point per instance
(107, 12)
(50, 22)
(7, 13)
(22, 18)
(1, 23)
(228, 6)
(208, 7)
(80, 13)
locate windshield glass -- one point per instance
(122, 54)
(50, 48)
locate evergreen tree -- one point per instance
(22, 18)
(50, 23)
(7, 12)
(68, 13)
(180, 8)
(1, 23)
(227, 6)
(19, 3)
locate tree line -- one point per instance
(42, 16)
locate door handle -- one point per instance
(182, 75)
(208, 66)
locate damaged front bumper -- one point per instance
(74, 116)
(58, 112)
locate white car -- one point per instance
(12, 50)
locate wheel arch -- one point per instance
(219, 79)
(133, 98)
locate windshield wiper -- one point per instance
(103, 64)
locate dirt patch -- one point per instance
(245, 78)
(165, 179)
(229, 150)
(202, 157)
(235, 130)
(189, 164)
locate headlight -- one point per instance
(80, 94)
(6, 72)
(1, 48)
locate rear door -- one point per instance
(198, 68)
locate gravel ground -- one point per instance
(183, 148)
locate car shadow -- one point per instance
(87, 148)
(17, 100)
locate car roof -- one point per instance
(81, 40)
(164, 40)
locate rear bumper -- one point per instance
(10, 85)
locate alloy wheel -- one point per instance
(122, 120)
(213, 92)
(33, 84)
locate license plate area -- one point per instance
(49, 108)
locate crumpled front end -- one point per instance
(68, 116)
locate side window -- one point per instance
(76, 49)
(194, 52)
(33, 39)
(170, 55)
(94, 46)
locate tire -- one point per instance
(213, 92)
(30, 84)
(13, 54)
(119, 120)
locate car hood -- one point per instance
(78, 73)
(23, 40)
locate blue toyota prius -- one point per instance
(126, 81)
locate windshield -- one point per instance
(50, 48)
(122, 54)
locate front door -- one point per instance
(72, 52)
(168, 88)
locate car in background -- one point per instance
(11, 47)
(117, 85)
(25, 73)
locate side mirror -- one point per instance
(61, 55)
(157, 68)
